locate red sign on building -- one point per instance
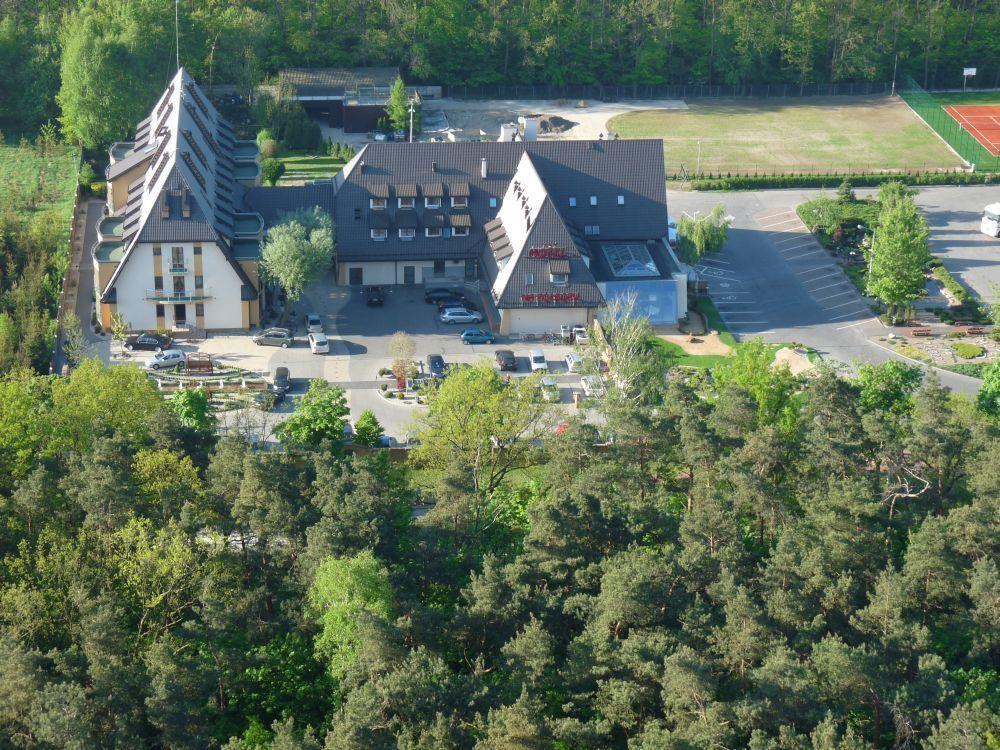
(547, 252)
(551, 297)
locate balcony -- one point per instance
(177, 269)
(165, 296)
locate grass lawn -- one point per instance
(680, 358)
(765, 135)
(706, 307)
(31, 182)
(301, 166)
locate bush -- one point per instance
(87, 175)
(367, 430)
(268, 148)
(948, 282)
(99, 189)
(758, 182)
(271, 171)
(972, 370)
(264, 135)
(965, 350)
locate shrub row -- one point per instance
(759, 182)
(948, 282)
(973, 370)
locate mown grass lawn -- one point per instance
(300, 166)
(31, 182)
(787, 136)
(680, 358)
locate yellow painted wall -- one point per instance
(118, 187)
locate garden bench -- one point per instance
(974, 330)
(921, 331)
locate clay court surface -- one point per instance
(817, 134)
(982, 121)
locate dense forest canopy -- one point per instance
(113, 57)
(757, 562)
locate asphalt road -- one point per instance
(772, 281)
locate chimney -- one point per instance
(361, 167)
(482, 168)
(434, 166)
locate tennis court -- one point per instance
(981, 121)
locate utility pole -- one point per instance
(411, 119)
(698, 172)
(177, 30)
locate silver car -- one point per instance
(460, 315)
(314, 323)
(319, 343)
(166, 358)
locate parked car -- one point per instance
(274, 337)
(319, 343)
(506, 360)
(431, 296)
(593, 386)
(166, 358)
(574, 362)
(314, 323)
(550, 388)
(456, 300)
(477, 336)
(282, 382)
(374, 296)
(148, 342)
(536, 358)
(454, 315)
(387, 441)
(436, 366)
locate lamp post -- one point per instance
(411, 119)
(871, 253)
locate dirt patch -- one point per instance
(708, 344)
(796, 360)
(553, 124)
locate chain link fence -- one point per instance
(691, 91)
(961, 140)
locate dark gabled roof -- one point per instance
(120, 167)
(433, 190)
(379, 190)
(336, 82)
(632, 168)
(406, 191)
(547, 241)
(273, 202)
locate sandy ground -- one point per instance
(707, 344)
(796, 361)
(591, 119)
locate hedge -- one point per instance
(973, 370)
(965, 350)
(948, 282)
(761, 182)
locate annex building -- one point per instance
(178, 248)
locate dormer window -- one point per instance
(593, 200)
(407, 234)
(493, 202)
(529, 279)
(559, 279)
(376, 203)
(459, 201)
(432, 232)
(572, 201)
(621, 200)
(380, 235)
(406, 202)
(460, 231)
(434, 202)
(591, 230)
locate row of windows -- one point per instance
(174, 251)
(558, 279)
(199, 283)
(408, 234)
(456, 202)
(199, 310)
(593, 200)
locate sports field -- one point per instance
(982, 121)
(812, 135)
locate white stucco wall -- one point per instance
(543, 320)
(222, 310)
(392, 272)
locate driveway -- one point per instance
(953, 214)
(773, 281)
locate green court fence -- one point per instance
(930, 111)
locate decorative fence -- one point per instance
(683, 91)
(70, 284)
(961, 140)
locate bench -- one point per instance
(974, 330)
(921, 332)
